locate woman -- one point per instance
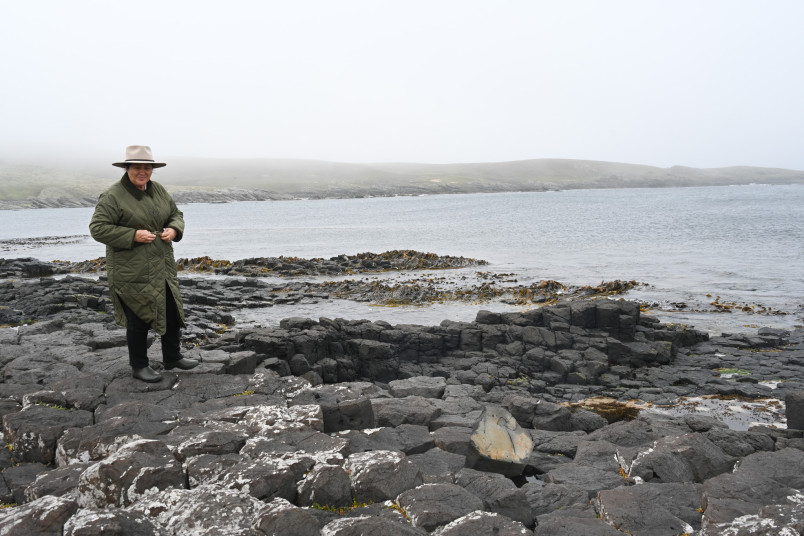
(138, 221)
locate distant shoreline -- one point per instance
(224, 181)
(237, 195)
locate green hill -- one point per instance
(221, 180)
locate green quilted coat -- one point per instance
(137, 272)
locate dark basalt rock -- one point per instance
(408, 438)
(381, 475)
(480, 522)
(438, 466)
(281, 517)
(545, 498)
(794, 404)
(431, 506)
(88, 522)
(655, 509)
(572, 526)
(127, 475)
(59, 482)
(499, 494)
(207, 509)
(372, 526)
(760, 480)
(45, 516)
(33, 431)
(18, 478)
(325, 485)
(684, 458)
(235, 446)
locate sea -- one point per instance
(689, 247)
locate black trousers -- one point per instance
(137, 335)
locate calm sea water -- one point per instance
(742, 243)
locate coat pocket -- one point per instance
(131, 265)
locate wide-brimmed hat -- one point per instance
(139, 154)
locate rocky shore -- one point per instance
(537, 422)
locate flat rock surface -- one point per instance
(338, 426)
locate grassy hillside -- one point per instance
(26, 186)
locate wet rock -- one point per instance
(381, 475)
(46, 516)
(498, 443)
(433, 505)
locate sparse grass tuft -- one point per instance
(341, 510)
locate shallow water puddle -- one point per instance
(737, 413)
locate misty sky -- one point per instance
(677, 82)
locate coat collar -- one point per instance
(133, 190)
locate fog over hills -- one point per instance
(224, 180)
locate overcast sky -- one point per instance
(677, 82)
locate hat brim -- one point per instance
(127, 162)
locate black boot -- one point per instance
(146, 374)
(184, 363)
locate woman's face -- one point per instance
(140, 174)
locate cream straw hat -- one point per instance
(139, 154)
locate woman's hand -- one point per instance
(169, 234)
(144, 237)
